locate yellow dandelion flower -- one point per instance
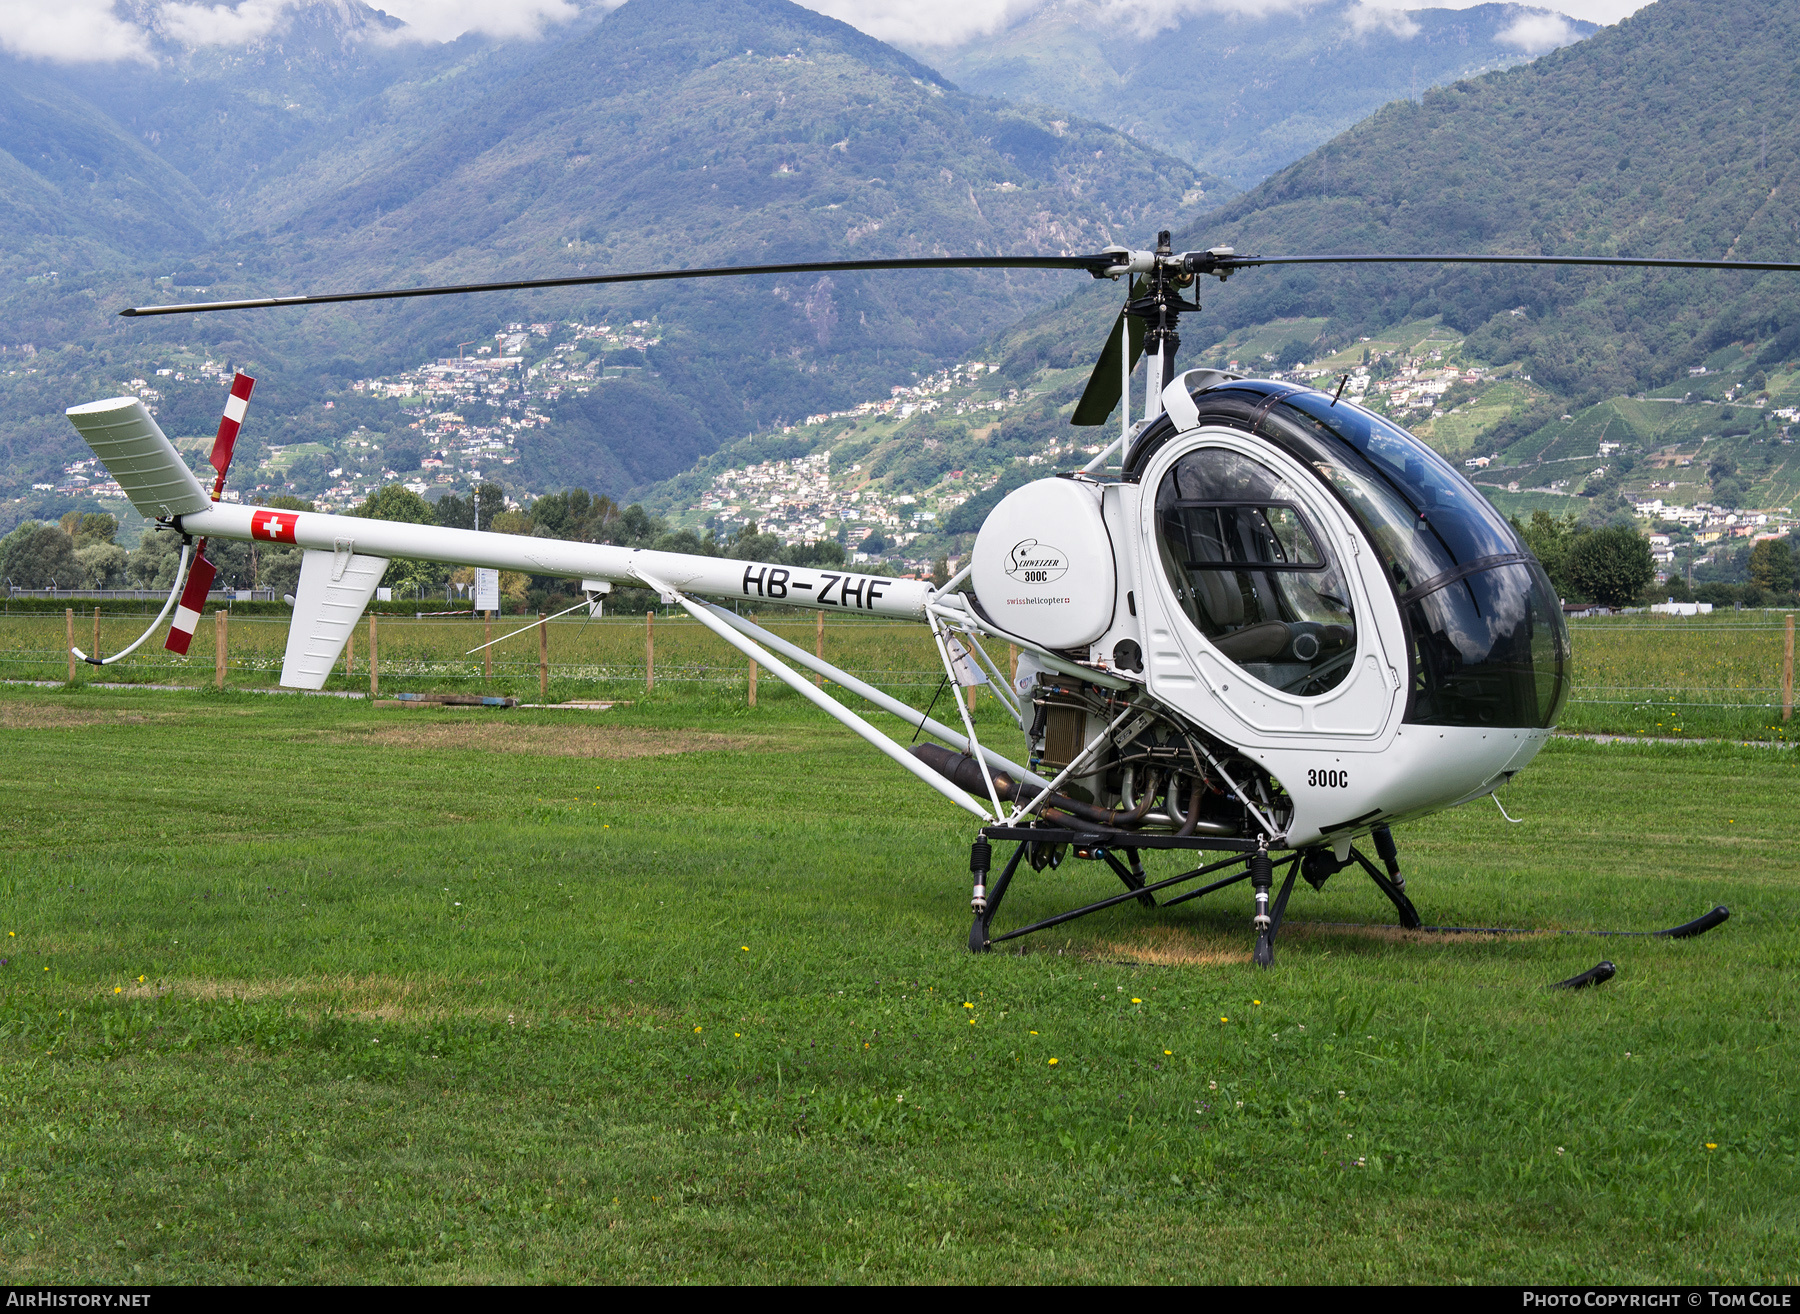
(1257, 1002)
(696, 1031)
(968, 1005)
(1052, 1063)
(1034, 1033)
(1137, 1001)
(140, 980)
(1711, 1145)
(1224, 1019)
(1169, 1053)
(118, 990)
(744, 947)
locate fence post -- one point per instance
(374, 658)
(752, 619)
(649, 652)
(487, 647)
(543, 656)
(70, 622)
(1787, 673)
(94, 652)
(221, 619)
(819, 647)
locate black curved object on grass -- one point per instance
(1599, 974)
(1699, 926)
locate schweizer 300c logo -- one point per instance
(1032, 562)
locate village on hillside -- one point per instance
(470, 416)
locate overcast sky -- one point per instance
(71, 31)
(946, 22)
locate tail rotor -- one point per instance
(201, 574)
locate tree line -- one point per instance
(80, 551)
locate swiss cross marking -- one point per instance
(274, 526)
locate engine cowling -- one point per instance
(1043, 565)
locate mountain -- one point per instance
(1667, 135)
(670, 132)
(1670, 134)
(74, 185)
(1241, 94)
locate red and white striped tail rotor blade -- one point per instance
(193, 601)
(235, 406)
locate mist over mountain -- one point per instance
(1243, 94)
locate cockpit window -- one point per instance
(1250, 573)
(1426, 519)
(1488, 644)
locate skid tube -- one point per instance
(1120, 849)
(1109, 847)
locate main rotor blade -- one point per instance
(1104, 385)
(1092, 264)
(1234, 262)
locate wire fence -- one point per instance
(606, 655)
(1729, 662)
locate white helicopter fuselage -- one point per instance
(1076, 563)
(1070, 568)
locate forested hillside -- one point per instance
(1671, 134)
(671, 132)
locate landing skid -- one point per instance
(1248, 861)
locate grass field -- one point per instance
(1715, 676)
(303, 990)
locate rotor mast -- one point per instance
(1161, 308)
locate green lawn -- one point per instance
(302, 990)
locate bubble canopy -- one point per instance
(1486, 640)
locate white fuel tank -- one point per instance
(1044, 564)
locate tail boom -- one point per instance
(720, 577)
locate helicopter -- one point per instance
(1262, 626)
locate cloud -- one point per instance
(221, 25)
(916, 23)
(1367, 17)
(926, 23)
(445, 20)
(90, 31)
(71, 32)
(1536, 30)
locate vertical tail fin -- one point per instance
(334, 589)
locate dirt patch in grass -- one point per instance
(355, 992)
(387, 999)
(1392, 934)
(1174, 946)
(31, 714)
(495, 736)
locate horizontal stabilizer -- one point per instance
(136, 453)
(334, 589)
